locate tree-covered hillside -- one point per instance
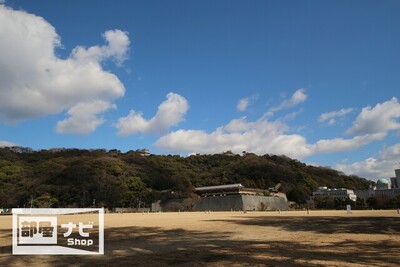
(81, 178)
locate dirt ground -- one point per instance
(289, 238)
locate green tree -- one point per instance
(44, 201)
(300, 194)
(360, 202)
(372, 203)
(136, 194)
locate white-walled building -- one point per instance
(382, 188)
(341, 193)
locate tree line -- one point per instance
(378, 202)
(84, 178)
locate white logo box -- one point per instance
(29, 245)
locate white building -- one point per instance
(341, 193)
(381, 190)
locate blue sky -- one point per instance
(313, 80)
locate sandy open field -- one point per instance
(293, 238)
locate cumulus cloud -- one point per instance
(331, 116)
(298, 97)
(83, 117)
(379, 119)
(373, 168)
(169, 113)
(115, 49)
(260, 137)
(264, 136)
(7, 144)
(36, 82)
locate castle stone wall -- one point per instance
(241, 202)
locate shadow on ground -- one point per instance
(151, 246)
(330, 225)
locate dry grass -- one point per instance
(295, 238)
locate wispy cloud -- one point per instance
(242, 104)
(245, 102)
(298, 97)
(331, 116)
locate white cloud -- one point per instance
(271, 137)
(245, 102)
(292, 115)
(242, 104)
(261, 137)
(35, 82)
(341, 144)
(372, 168)
(379, 119)
(7, 144)
(169, 113)
(83, 117)
(116, 49)
(331, 116)
(298, 97)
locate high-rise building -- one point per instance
(395, 181)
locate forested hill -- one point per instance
(76, 178)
